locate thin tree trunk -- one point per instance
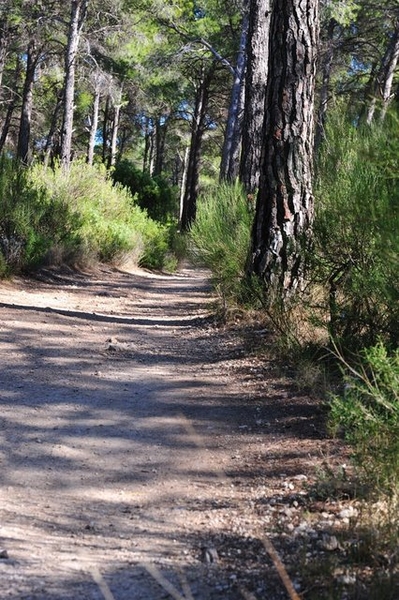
(183, 184)
(78, 13)
(23, 150)
(147, 144)
(4, 41)
(151, 155)
(386, 91)
(229, 166)
(105, 130)
(326, 67)
(256, 78)
(382, 93)
(51, 148)
(93, 127)
(11, 104)
(114, 136)
(284, 211)
(189, 208)
(160, 137)
(6, 123)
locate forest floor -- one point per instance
(147, 452)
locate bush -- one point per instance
(356, 233)
(368, 414)
(112, 227)
(30, 222)
(220, 237)
(153, 194)
(74, 216)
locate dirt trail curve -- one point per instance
(127, 438)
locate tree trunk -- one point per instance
(326, 67)
(4, 41)
(114, 136)
(256, 78)
(93, 126)
(284, 210)
(147, 144)
(183, 184)
(11, 104)
(189, 208)
(160, 137)
(105, 130)
(51, 149)
(23, 150)
(229, 166)
(78, 13)
(382, 92)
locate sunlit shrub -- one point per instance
(72, 216)
(220, 237)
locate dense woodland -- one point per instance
(259, 136)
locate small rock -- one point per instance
(300, 478)
(3, 553)
(329, 543)
(289, 485)
(348, 513)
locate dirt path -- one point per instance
(137, 443)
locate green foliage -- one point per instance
(76, 216)
(343, 11)
(368, 414)
(30, 223)
(220, 237)
(152, 194)
(356, 233)
(111, 226)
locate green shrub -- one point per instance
(220, 237)
(153, 194)
(110, 226)
(368, 415)
(74, 216)
(356, 232)
(30, 222)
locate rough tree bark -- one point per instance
(78, 13)
(256, 78)
(284, 210)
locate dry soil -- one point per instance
(145, 451)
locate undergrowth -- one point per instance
(220, 239)
(76, 217)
